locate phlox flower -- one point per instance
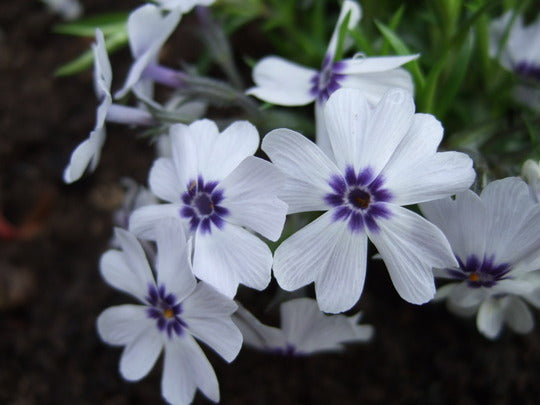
(87, 154)
(304, 329)
(521, 52)
(383, 157)
(174, 310)
(215, 185)
(286, 83)
(496, 240)
(531, 173)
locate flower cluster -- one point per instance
(202, 228)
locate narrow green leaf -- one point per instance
(108, 23)
(401, 49)
(394, 23)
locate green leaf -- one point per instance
(108, 23)
(394, 22)
(401, 49)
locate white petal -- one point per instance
(346, 115)
(141, 354)
(300, 258)
(185, 368)
(351, 8)
(361, 137)
(86, 155)
(375, 85)
(185, 151)
(120, 325)
(513, 219)
(230, 256)
(375, 64)
(309, 330)
(281, 82)
(256, 334)
(339, 285)
(102, 67)
(207, 302)
(143, 220)
(463, 222)
(416, 173)
(321, 132)
(164, 181)
(490, 318)
(464, 296)
(305, 165)
(238, 141)
(251, 197)
(173, 266)
(208, 317)
(410, 246)
(518, 316)
(127, 270)
(148, 30)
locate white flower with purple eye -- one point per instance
(174, 310)
(521, 52)
(281, 82)
(384, 157)
(496, 240)
(531, 173)
(148, 29)
(304, 330)
(215, 185)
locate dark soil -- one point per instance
(51, 291)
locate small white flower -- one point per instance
(148, 29)
(531, 173)
(383, 158)
(174, 310)
(496, 240)
(215, 185)
(304, 329)
(282, 82)
(521, 52)
(184, 5)
(87, 154)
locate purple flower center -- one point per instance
(201, 205)
(328, 80)
(165, 310)
(478, 273)
(528, 70)
(359, 199)
(288, 350)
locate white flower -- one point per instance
(531, 173)
(496, 240)
(148, 29)
(217, 187)
(87, 154)
(304, 329)
(282, 82)
(384, 157)
(184, 5)
(174, 310)
(521, 52)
